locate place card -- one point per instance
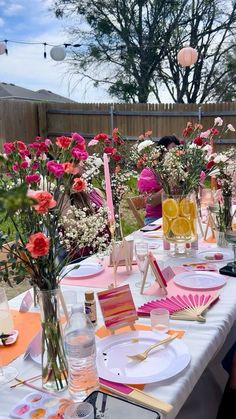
(168, 273)
(26, 302)
(159, 277)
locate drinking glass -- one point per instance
(6, 326)
(83, 410)
(141, 254)
(159, 320)
(7, 374)
(230, 236)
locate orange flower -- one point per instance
(63, 142)
(78, 185)
(148, 133)
(45, 201)
(70, 168)
(38, 245)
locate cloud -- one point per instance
(2, 23)
(26, 67)
(13, 9)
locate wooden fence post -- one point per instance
(42, 120)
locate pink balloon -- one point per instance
(187, 56)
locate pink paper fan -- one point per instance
(182, 307)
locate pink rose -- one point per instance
(93, 142)
(8, 147)
(34, 166)
(78, 154)
(21, 146)
(38, 245)
(33, 178)
(78, 138)
(24, 165)
(15, 167)
(55, 168)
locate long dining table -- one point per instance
(196, 391)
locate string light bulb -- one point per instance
(58, 53)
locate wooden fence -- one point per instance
(25, 119)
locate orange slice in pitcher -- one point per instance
(170, 208)
(185, 207)
(181, 226)
(165, 225)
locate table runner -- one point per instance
(102, 280)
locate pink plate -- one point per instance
(84, 271)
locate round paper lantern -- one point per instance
(2, 48)
(187, 56)
(58, 53)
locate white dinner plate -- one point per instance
(85, 270)
(205, 254)
(199, 280)
(162, 363)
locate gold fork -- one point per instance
(143, 355)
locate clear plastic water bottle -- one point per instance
(80, 350)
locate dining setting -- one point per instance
(137, 321)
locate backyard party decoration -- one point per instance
(58, 53)
(187, 56)
(110, 206)
(180, 172)
(114, 176)
(118, 308)
(159, 278)
(36, 181)
(181, 307)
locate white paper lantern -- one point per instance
(2, 48)
(58, 53)
(187, 56)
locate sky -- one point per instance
(25, 66)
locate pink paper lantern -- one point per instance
(187, 56)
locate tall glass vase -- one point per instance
(179, 214)
(54, 364)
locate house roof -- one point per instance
(11, 91)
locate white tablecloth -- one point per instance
(196, 391)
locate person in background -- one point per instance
(149, 185)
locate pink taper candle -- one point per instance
(111, 216)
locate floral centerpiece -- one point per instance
(36, 181)
(181, 170)
(121, 172)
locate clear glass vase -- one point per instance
(220, 239)
(54, 364)
(179, 214)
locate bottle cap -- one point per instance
(89, 295)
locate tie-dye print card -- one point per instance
(117, 307)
